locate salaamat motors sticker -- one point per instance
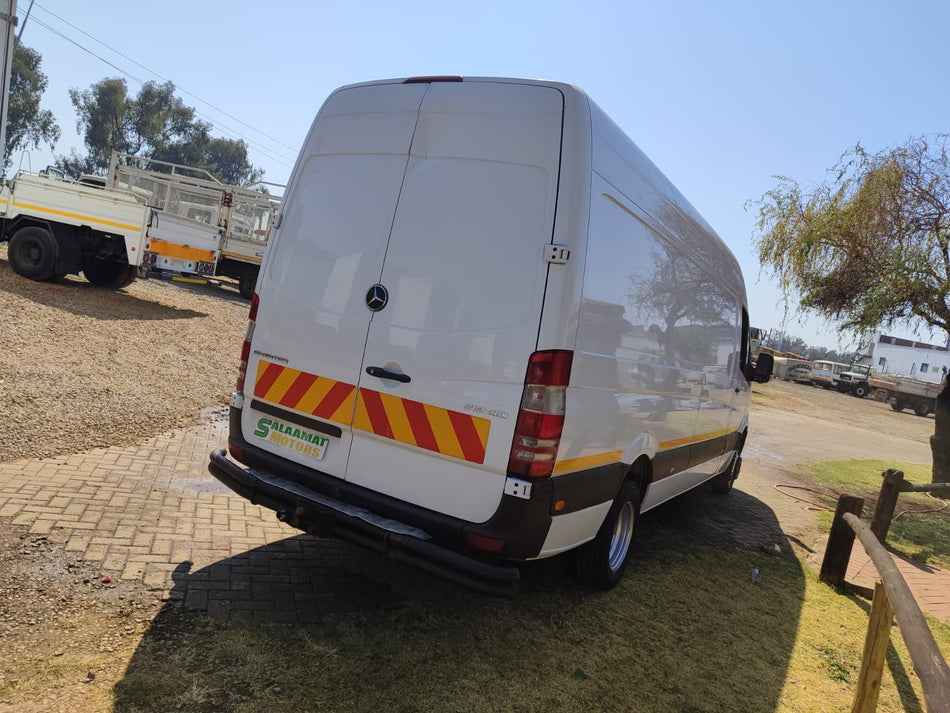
(296, 439)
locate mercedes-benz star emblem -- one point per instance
(376, 297)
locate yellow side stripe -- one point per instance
(689, 440)
(584, 462)
(592, 461)
(77, 216)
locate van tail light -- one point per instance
(246, 348)
(541, 416)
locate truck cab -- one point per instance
(855, 380)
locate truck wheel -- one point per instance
(861, 390)
(897, 405)
(32, 253)
(108, 273)
(922, 408)
(601, 562)
(246, 285)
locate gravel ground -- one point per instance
(82, 367)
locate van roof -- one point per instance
(648, 171)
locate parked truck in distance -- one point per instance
(827, 373)
(906, 392)
(57, 227)
(201, 226)
(855, 380)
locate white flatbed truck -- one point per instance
(200, 227)
(906, 392)
(56, 227)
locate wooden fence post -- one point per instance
(886, 503)
(834, 565)
(875, 649)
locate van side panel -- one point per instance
(656, 367)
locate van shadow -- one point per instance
(345, 628)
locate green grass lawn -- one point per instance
(921, 528)
(686, 631)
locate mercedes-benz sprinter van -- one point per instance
(487, 329)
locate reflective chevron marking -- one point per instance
(452, 433)
(325, 398)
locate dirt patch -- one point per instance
(868, 414)
(66, 633)
(82, 367)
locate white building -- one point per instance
(909, 358)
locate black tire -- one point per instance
(897, 405)
(922, 408)
(722, 483)
(861, 390)
(110, 274)
(32, 253)
(247, 283)
(601, 562)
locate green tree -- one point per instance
(153, 124)
(28, 126)
(869, 246)
(224, 158)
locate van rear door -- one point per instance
(464, 277)
(401, 296)
(312, 320)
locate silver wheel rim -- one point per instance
(622, 536)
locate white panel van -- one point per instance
(486, 330)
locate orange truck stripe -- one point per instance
(183, 252)
(78, 216)
(452, 433)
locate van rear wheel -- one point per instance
(601, 562)
(722, 483)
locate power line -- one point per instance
(151, 71)
(266, 151)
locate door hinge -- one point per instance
(557, 254)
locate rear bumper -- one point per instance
(322, 504)
(312, 511)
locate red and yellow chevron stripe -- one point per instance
(324, 398)
(451, 433)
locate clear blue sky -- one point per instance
(721, 95)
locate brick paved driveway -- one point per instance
(153, 514)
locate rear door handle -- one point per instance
(381, 373)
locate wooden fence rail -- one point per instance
(891, 595)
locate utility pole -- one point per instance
(8, 20)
